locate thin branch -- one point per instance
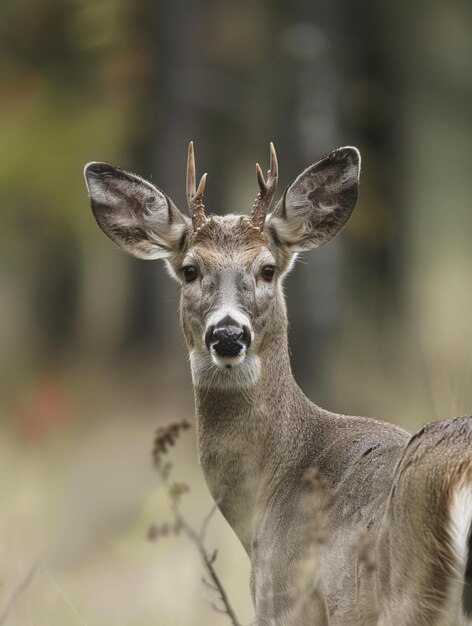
(206, 521)
(208, 561)
(208, 584)
(165, 437)
(217, 608)
(66, 599)
(22, 587)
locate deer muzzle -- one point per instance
(228, 338)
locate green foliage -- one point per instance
(62, 104)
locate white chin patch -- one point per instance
(227, 361)
(218, 372)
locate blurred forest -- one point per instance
(92, 357)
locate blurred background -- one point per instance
(92, 357)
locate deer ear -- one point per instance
(135, 214)
(319, 202)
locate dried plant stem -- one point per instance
(166, 436)
(22, 587)
(208, 560)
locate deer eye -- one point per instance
(268, 272)
(190, 273)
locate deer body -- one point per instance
(347, 520)
(262, 509)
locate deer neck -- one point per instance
(243, 433)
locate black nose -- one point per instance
(228, 338)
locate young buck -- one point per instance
(346, 520)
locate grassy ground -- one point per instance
(77, 497)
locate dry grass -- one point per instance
(80, 500)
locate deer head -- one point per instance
(231, 268)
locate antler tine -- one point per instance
(274, 165)
(190, 173)
(267, 189)
(260, 177)
(201, 188)
(195, 195)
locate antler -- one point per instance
(195, 196)
(267, 189)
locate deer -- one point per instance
(346, 520)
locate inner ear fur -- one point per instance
(134, 213)
(317, 204)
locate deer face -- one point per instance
(230, 268)
(231, 290)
